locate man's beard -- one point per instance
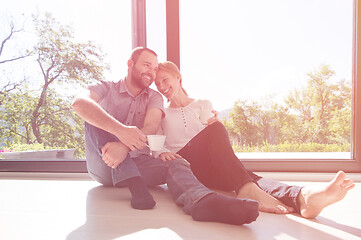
(138, 79)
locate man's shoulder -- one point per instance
(107, 84)
(105, 88)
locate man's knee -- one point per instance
(97, 136)
(102, 180)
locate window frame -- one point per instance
(259, 165)
(296, 165)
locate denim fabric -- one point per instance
(182, 184)
(287, 194)
(214, 163)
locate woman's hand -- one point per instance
(213, 119)
(169, 156)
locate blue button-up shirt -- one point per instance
(116, 99)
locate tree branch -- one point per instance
(12, 32)
(41, 66)
(7, 38)
(14, 59)
(56, 76)
(15, 132)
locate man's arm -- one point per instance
(152, 121)
(87, 107)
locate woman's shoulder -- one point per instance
(202, 102)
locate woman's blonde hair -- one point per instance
(170, 67)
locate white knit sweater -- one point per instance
(180, 125)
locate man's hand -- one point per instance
(213, 119)
(114, 153)
(169, 156)
(132, 137)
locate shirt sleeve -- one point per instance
(206, 104)
(101, 88)
(156, 101)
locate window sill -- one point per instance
(279, 176)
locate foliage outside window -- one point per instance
(38, 113)
(287, 76)
(316, 118)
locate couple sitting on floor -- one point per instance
(196, 157)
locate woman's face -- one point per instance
(167, 83)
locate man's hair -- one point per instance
(138, 51)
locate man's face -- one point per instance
(144, 70)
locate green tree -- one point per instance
(283, 125)
(61, 61)
(232, 131)
(8, 85)
(15, 116)
(59, 125)
(315, 105)
(340, 121)
(244, 117)
(39, 113)
(319, 113)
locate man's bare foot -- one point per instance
(267, 203)
(313, 199)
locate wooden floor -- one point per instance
(79, 208)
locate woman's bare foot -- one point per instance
(313, 199)
(267, 203)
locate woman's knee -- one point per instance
(217, 126)
(217, 129)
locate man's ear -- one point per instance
(130, 63)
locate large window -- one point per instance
(51, 50)
(282, 73)
(290, 67)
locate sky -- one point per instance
(230, 49)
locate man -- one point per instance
(118, 115)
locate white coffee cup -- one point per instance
(205, 115)
(156, 142)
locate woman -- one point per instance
(213, 162)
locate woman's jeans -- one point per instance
(214, 163)
(183, 185)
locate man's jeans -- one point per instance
(183, 185)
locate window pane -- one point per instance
(279, 72)
(55, 52)
(156, 29)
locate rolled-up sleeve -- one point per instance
(156, 101)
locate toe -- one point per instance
(340, 177)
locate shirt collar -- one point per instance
(123, 89)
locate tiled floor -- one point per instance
(82, 209)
